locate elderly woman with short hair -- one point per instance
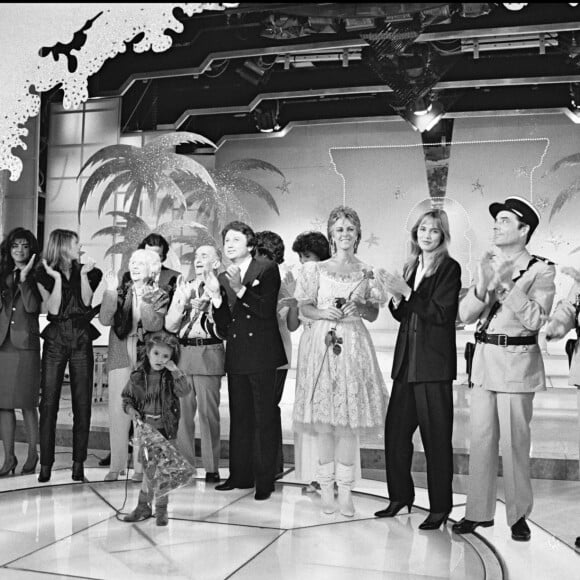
(135, 307)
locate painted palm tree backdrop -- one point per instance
(176, 188)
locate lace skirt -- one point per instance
(343, 391)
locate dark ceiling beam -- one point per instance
(498, 31)
(235, 54)
(308, 93)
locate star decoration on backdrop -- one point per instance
(318, 224)
(521, 171)
(476, 186)
(556, 241)
(542, 204)
(398, 194)
(372, 240)
(284, 188)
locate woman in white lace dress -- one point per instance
(340, 388)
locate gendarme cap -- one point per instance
(520, 207)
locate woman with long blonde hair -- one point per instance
(66, 286)
(425, 302)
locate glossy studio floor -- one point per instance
(70, 530)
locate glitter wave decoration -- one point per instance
(53, 44)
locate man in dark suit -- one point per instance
(244, 304)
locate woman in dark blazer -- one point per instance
(19, 345)
(425, 302)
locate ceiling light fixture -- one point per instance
(425, 120)
(514, 6)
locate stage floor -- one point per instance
(64, 529)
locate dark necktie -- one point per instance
(16, 277)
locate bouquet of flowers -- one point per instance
(165, 468)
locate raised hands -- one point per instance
(111, 280)
(212, 284)
(394, 283)
(25, 271)
(50, 270)
(572, 272)
(88, 265)
(183, 290)
(234, 276)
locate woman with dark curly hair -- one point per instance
(19, 345)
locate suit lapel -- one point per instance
(251, 273)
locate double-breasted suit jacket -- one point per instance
(524, 310)
(426, 337)
(250, 323)
(19, 310)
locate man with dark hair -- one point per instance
(270, 246)
(244, 307)
(512, 298)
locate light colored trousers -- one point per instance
(119, 421)
(205, 398)
(499, 418)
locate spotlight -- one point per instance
(253, 73)
(422, 106)
(515, 6)
(426, 119)
(266, 117)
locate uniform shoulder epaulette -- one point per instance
(545, 260)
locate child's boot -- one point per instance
(161, 517)
(142, 511)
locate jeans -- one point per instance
(55, 356)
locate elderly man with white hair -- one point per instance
(133, 308)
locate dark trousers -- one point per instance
(281, 375)
(55, 357)
(430, 407)
(253, 429)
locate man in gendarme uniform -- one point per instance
(507, 366)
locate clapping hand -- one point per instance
(290, 282)
(395, 284)
(88, 265)
(212, 284)
(24, 271)
(572, 272)
(234, 276)
(50, 270)
(182, 290)
(486, 277)
(503, 267)
(111, 280)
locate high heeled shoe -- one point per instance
(30, 466)
(6, 469)
(45, 472)
(434, 521)
(78, 473)
(394, 508)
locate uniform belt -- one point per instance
(505, 340)
(199, 341)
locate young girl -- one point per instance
(151, 395)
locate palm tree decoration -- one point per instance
(152, 169)
(569, 192)
(215, 208)
(133, 230)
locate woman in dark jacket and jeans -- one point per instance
(425, 302)
(67, 287)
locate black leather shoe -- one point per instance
(434, 521)
(106, 461)
(521, 531)
(78, 473)
(394, 508)
(262, 495)
(465, 526)
(227, 485)
(577, 544)
(212, 477)
(45, 472)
